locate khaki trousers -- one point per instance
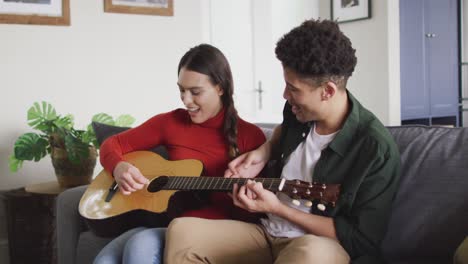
(461, 255)
(196, 240)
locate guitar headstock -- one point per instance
(326, 194)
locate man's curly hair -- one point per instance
(317, 49)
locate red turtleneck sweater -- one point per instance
(187, 140)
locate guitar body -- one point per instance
(141, 208)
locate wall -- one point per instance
(103, 62)
(119, 63)
(376, 80)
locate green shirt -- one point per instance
(364, 159)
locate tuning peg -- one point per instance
(295, 202)
(321, 207)
(308, 203)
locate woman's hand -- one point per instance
(247, 165)
(129, 178)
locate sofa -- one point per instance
(430, 211)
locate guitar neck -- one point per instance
(215, 183)
(296, 189)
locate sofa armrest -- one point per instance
(69, 224)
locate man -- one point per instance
(326, 136)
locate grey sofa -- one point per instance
(430, 211)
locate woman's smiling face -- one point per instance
(201, 98)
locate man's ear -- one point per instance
(329, 90)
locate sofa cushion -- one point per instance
(267, 131)
(430, 211)
(103, 131)
(89, 246)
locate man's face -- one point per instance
(305, 99)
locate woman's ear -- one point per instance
(220, 90)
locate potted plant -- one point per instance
(73, 151)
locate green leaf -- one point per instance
(65, 122)
(39, 113)
(46, 126)
(30, 146)
(104, 119)
(14, 164)
(90, 129)
(124, 120)
(76, 149)
(88, 137)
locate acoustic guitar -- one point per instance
(108, 212)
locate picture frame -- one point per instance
(350, 10)
(142, 7)
(35, 12)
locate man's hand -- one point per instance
(253, 198)
(264, 201)
(247, 165)
(129, 178)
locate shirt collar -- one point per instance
(215, 122)
(345, 136)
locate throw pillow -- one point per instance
(103, 131)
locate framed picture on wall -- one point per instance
(350, 10)
(35, 12)
(142, 7)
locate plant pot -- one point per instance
(70, 174)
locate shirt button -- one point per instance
(303, 134)
(282, 155)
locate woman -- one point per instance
(208, 130)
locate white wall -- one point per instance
(118, 63)
(103, 62)
(376, 79)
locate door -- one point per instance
(414, 95)
(429, 60)
(442, 56)
(247, 31)
(231, 32)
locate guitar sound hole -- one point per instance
(158, 184)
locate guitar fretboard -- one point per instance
(215, 183)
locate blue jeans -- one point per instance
(138, 245)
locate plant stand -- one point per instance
(30, 213)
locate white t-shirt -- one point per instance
(300, 165)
